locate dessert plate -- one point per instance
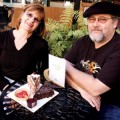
(40, 102)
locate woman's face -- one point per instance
(30, 20)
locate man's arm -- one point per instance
(93, 101)
(85, 81)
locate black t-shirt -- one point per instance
(103, 63)
(17, 64)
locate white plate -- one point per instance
(40, 102)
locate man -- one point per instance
(93, 62)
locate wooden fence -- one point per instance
(51, 12)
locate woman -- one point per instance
(22, 48)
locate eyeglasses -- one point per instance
(35, 19)
(100, 19)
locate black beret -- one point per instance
(102, 8)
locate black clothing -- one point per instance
(102, 8)
(17, 64)
(103, 63)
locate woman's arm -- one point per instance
(3, 82)
(44, 52)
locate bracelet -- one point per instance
(5, 87)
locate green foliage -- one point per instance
(118, 30)
(62, 34)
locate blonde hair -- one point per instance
(40, 30)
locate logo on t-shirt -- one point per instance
(90, 67)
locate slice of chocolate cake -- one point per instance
(44, 92)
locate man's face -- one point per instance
(101, 27)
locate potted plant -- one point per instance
(62, 34)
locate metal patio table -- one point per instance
(67, 105)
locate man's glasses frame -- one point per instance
(100, 19)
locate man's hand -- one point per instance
(92, 100)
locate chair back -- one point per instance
(5, 16)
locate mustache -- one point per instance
(96, 29)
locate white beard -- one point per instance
(96, 37)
